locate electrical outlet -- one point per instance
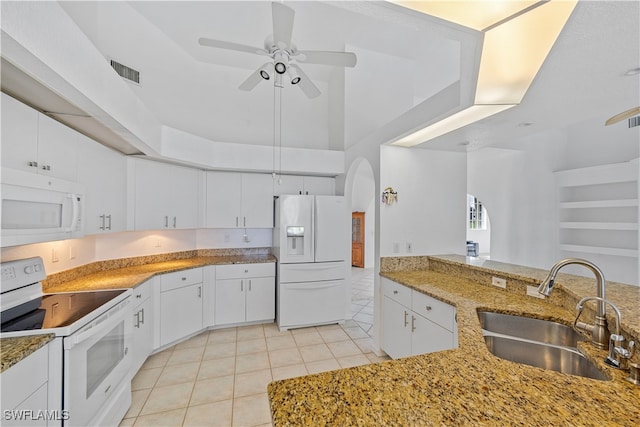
(499, 282)
(54, 255)
(532, 291)
(409, 247)
(396, 247)
(227, 238)
(72, 252)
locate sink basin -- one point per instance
(543, 331)
(560, 359)
(534, 342)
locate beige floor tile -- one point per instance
(356, 332)
(251, 410)
(212, 390)
(167, 398)
(349, 323)
(344, 348)
(219, 351)
(176, 374)
(306, 330)
(217, 368)
(333, 335)
(280, 342)
(272, 330)
(138, 399)
(145, 378)
(127, 422)
(252, 362)
(216, 414)
(251, 346)
(284, 357)
(252, 383)
(197, 341)
(312, 337)
(376, 359)
(250, 332)
(164, 419)
(350, 361)
(220, 336)
(311, 353)
(365, 344)
(186, 355)
(290, 371)
(322, 366)
(158, 360)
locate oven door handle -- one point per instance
(97, 329)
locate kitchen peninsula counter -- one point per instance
(467, 385)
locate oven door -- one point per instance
(97, 362)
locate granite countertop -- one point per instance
(464, 386)
(16, 349)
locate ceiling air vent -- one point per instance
(634, 121)
(126, 72)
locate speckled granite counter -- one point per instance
(15, 349)
(465, 386)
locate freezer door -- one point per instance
(332, 228)
(295, 229)
(311, 303)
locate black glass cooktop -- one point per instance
(54, 310)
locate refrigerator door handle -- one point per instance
(313, 230)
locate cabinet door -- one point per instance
(261, 299)
(224, 200)
(19, 135)
(319, 186)
(396, 331)
(257, 200)
(142, 334)
(180, 313)
(428, 337)
(288, 184)
(230, 301)
(57, 149)
(103, 172)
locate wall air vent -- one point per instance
(126, 72)
(634, 121)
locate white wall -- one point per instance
(431, 209)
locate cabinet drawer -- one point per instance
(435, 310)
(180, 279)
(396, 291)
(142, 292)
(242, 271)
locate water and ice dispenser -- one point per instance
(295, 240)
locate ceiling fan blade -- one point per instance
(344, 59)
(624, 115)
(252, 81)
(231, 46)
(306, 85)
(282, 24)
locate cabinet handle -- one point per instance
(174, 222)
(46, 167)
(109, 218)
(244, 221)
(241, 285)
(405, 318)
(249, 285)
(102, 227)
(184, 278)
(199, 291)
(306, 193)
(236, 221)
(300, 192)
(139, 296)
(166, 221)
(428, 308)
(413, 323)
(137, 316)
(33, 164)
(395, 292)
(142, 313)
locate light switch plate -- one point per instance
(499, 282)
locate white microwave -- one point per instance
(37, 208)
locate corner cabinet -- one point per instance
(245, 293)
(181, 305)
(414, 323)
(239, 200)
(165, 196)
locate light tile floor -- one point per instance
(220, 377)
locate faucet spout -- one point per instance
(599, 331)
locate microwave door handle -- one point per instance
(75, 205)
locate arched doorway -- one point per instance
(478, 228)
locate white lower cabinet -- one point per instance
(142, 316)
(181, 307)
(244, 293)
(414, 323)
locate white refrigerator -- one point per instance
(310, 239)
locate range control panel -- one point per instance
(23, 272)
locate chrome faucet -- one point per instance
(599, 331)
(618, 354)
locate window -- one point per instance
(477, 214)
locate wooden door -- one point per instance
(357, 239)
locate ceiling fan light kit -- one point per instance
(284, 55)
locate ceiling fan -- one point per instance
(284, 55)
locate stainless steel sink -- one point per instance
(544, 331)
(534, 342)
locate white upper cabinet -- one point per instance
(306, 185)
(239, 200)
(35, 143)
(166, 196)
(103, 172)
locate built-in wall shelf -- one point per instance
(598, 217)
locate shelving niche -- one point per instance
(598, 217)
